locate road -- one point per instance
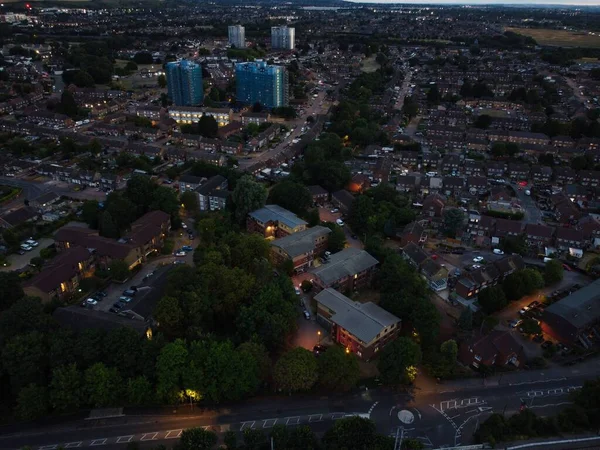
(438, 415)
(530, 208)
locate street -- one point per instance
(444, 414)
(531, 210)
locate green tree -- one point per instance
(397, 361)
(10, 237)
(68, 105)
(492, 299)
(296, 370)
(10, 289)
(208, 126)
(37, 262)
(32, 402)
(352, 433)
(90, 213)
(465, 321)
(165, 199)
(119, 270)
(108, 228)
(102, 385)
(483, 121)
(169, 316)
(139, 391)
(24, 359)
(254, 439)
(171, 365)
(448, 354)
(338, 370)
(290, 195)
(83, 79)
(553, 272)
(65, 389)
(258, 353)
(453, 221)
(230, 440)
(162, 81)
(197, 439)
(336, 240)
(189, 199)
(530, 326)
(248, 196)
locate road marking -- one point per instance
(315, 418)
(555, 391)
(124, 439)
(73, 444)
(454, 417)
(535, 393)
(418, 412)
(269, 423)
(448, 404)
(537, 381)
(245, 425)
(173, 434)
(292, 421)
(406, 417)
(551, 404)
(49, 447)
(98, 442)
(151, 438)
(336, 416)
(372, 407)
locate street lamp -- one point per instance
(319, 334)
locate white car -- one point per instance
(334, 210)
(180, 254)
(497, 251)
(26, 247)
(32, 243)
(91, 301)
(184, 226)
(476, 266)
(340, 222)
(478, 259)
(297, 291)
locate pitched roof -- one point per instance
(579, 309)
(19, 216)
(363, 320)
(46, 197)
(539, 230)
(62, 268)
(348, 262)
(415, 253)
(317, 190)
(275, 213)
(84, 237)
(569, 234)
(213, 183)
(302, 242)
(344, 197)
(509, 264)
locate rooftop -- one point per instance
(348, 262)
(302, 242)
(363, 320)
(275, 213)
(581, 308)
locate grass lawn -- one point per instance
(369, 65)
(559, 38)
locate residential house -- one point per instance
(406, 183)
(18, 216)
(213, 194)
(518, 171)
(61, 277)
(589, 177)
(539, 235)
(474, 168)
(508, 228)
(433, 206)
(190, 183)
(470, 284)
(414, 255)
(495, 169)
(481, 226)
(301, 247)
(453, 186)
(347, 271)
(451, 162)
(564, 175)
(343, 200)
(498, 348)
(541, 174)
(571, 319)
(567, 238)
(257, 118)
(319, 195)
(477, 185)
(408, 158)
(435, 273)
(362, 328)
(273, 221)
(527, 137)
(499, 194)
(45, 200)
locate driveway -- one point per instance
(19, 261)
(532, 212)
(309, 332)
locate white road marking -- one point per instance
(49, 447)
(315, 418)
(149, 437)
(336, 416)
(537, 381)
(173, 434)
(98, 442)
(73, 444)
(269, 423)
(406, 417)
(418, 412)
(551, 404)
(124, 439)
(292, 421)
(245, 425)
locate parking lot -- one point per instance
(19, 261)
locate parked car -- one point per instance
(515, 323)
(524, 310)
(497, 251)
(297, 291)
(180, 253)
(187, 248)
(100, 294)
(26, 247)
(32, 243)
(129, 292)
(306, 314)
(91, 301)
(478, 259)
(340, 222)
(334, 210)
(125, 299)
(118, 305)
(178, 262)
